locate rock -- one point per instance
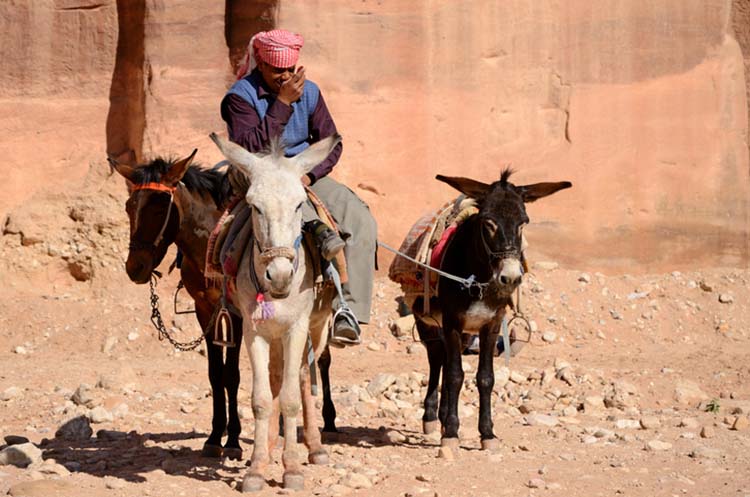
(414, 348)
(708, 432)
(705, 453)
(687, 393)
(15, 440)
(21, 455)
(593, 404)
(111, 435)
(627, 424)
(658, 445)
(44, 488)
(446, 453)
(374, 346)
(689, 423)
(356, 480)
(546, 265)
(584, 278)
(549, 336)
(100, 415)
(77, 428)
(536, 419)
(20, 350)
(650, 422)
(113, 483)
(740, 424)
(517, 377)
(380, 383)
(536, 483)
(109, 344)
(133, 336)
(502, 376)
(83, 396)
(10, 393)
(726, 298)
(395, 437)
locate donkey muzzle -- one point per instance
(511, 273)
(279, 262)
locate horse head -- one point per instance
(276, 196)
(154, 219)
(501, 219)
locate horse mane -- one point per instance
(196, 178)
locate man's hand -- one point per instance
(291, 90)
(305, 180)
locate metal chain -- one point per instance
(158, 323)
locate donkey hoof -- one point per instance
(451, 443)
(429, 427)
(491, 444)
(253, 482)
(233, 453)
(294, 480)
(210, 450)
(318, 457)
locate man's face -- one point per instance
(274, 77)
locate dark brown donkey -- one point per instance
(485, 249)
(171, 202)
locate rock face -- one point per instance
(642, 105)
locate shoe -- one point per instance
(327, 240)
(344, 332)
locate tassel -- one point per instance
(263, 310)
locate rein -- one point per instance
(158, 323)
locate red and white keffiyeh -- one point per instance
(278, 47)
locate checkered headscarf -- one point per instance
(278, 47)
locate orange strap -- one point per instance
(155, 186)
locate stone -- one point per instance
(374, 347)
(44, 488)
(549, 336)
(584, 278)
(708, 432)
(536, 483)
(100, 415)
(689, 423)
(546, 265)
(77, 428)
(10, 393)
(380, 383)
(536, 419)
(15, 440)
(688, 393)
(395, 437)
(356, 481)
(726, 298)
(658, 445)
(650, 422)
(402, 326)
(740, 424)
(627, 424)
(83, 396)
(109, 344)
(21, 455)
(705, 453)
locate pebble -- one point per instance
(584, 278)
(740, 424)
(380, 383)
(658, 445)
(726, 298)
(356, 481)
(100, 415)
(21, 455)
(536, 483)
(623, 424)
(374, 346)
(549, 336)
(395, 437)
(546, 265)
(132, 336)
(689, 423)
(705, 453)
(20, 350)
(536, 419)
(77, 428)
(15, 440)
(708, 432)
(109, 344)
(113, 483)
(650, 422)
(10, 393)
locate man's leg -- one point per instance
(360, 231)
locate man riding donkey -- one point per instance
(272, 98)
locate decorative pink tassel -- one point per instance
(263, 310)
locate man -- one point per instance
(273, 98)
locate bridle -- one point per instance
(158, 187)
(500, 254)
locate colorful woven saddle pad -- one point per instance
(425, 243)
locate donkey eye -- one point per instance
(490, 226)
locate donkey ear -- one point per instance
(315, 153)
(178, 169)
(530, 193)
(123, 163)
(469, 187)
(235, 154)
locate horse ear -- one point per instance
(123, 163)
(178, 169)
(469, 187)
(530, 193)
(315, 154)
(235, 154)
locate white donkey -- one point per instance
(277, 299)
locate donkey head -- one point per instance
(276, 196)
(154, 219)
(501, 218)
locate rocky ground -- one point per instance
(631, 385)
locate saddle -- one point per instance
(426, 243)
(232, 233)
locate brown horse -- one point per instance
(486, 253)
(171, 202)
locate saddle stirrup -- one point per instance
(343, 311)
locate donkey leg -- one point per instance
(430, 337)
(316, 454)
(274, 370)
(212, 446)
(258, 349)
(453, 379)
(485, 382)
(290, 402)
(329, 410)
(232, 448)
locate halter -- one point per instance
(264, 309)
(158, 187)
(501, 254)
